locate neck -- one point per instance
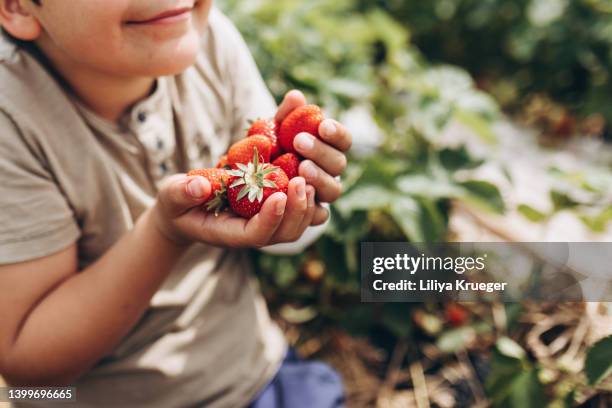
(107, 95)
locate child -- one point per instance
(111, 277)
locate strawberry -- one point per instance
(456, 315)
(218, 179)
(290, 163)
(252, 184)
(303, 119)
(242, 151)
(223, 163)
(267, 128)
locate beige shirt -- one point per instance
(68, 176)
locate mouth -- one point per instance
(166, 17)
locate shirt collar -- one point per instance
(133, 118)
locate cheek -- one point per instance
(85, 31)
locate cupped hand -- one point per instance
(325, 156)
(179, 216)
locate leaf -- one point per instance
(531, 213)
(353, 228)
(477, 124)
(456, 339)
(526, 391)
(562, 201)
(427, 186)
(599, 222)
(364, 197)
(407, 214)
(484, 194)
(514, 383)
(509, 348)
(460, 158)
(598, 363)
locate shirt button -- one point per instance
(142, 117)
(163, 167)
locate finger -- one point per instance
(297, 205)
(335, 134)
(330, 159)
(229, 230)
(180, 193)
(293, 99)
(260, 229)
(320, 216)
(310, 209)
(328, 188)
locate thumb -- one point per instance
(181, 193)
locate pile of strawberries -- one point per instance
(259, 165)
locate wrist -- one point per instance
(164, 231)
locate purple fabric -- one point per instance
(302, 384)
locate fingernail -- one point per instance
(304, 141)
(329, 128)
(310, 173)
(301, 190)
(195, 188)
(280, 207)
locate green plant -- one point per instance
(517, 47)
(355, 59)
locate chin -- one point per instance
(171, 59)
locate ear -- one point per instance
(18, 21)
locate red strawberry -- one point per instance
(252, 184)
(290, 163)
(223, 163)
(267, 128)
(306, 118)
(242, 151)
(218, 179)
(456, 315)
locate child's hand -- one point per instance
(326, 156)
(179, 216)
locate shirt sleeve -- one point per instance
(35, 219)
(250, 96)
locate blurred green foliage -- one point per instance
(360, 65)
(562, 48)
(356, 60)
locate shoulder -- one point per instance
(222, 28)
(222, 45)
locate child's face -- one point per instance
(123, 37)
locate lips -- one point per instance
(166, 16)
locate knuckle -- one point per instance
(261, 241)
(342, 163)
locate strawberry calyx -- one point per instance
(253, 178)
(219, 202)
